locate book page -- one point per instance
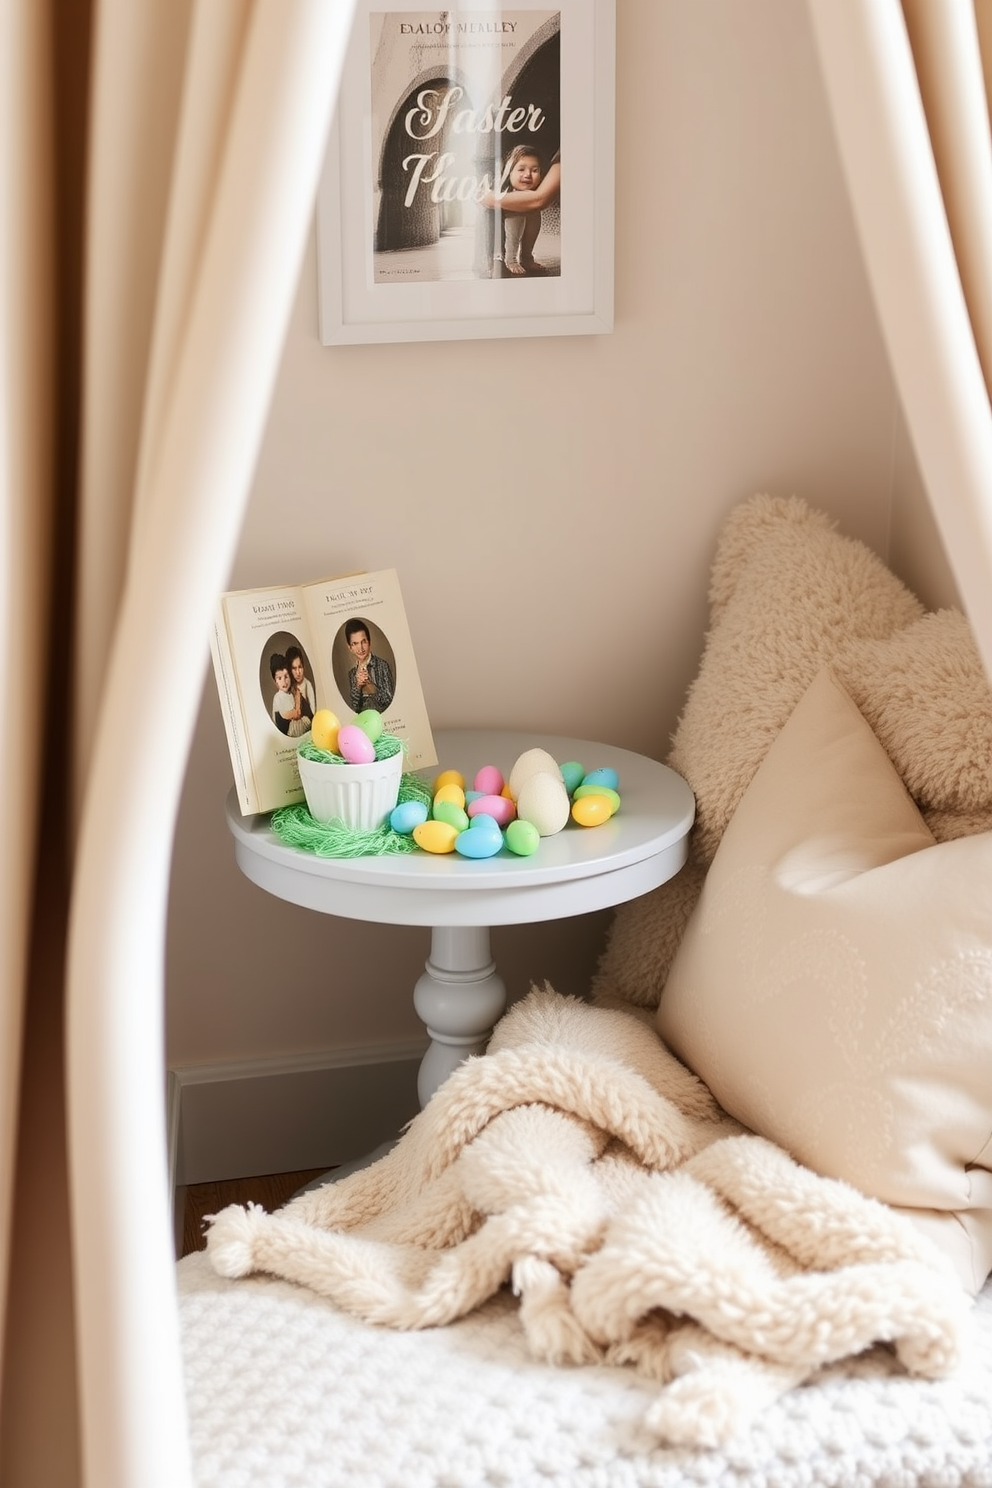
(267, 630)
(365, 657)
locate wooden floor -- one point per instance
(271, 1191)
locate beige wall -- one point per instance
(551, 504)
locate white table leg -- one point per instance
(459, 997)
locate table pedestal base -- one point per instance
(460, 998)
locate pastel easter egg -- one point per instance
(487, 825)
(498, 807)
(489, 780)
(435, 836)
(324, 730)
(603, 776)
(598, 790)
(354, 745)
(472, 795)
(531, 762)
(450, 791)
(573, 774)
(590, 811)
(476, 844)
(449, 777)
(407, 815)
(522, 838)
(370, 723)
(450, 812)
(543, 800)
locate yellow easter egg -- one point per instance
(452, 793)
(599, 790)
(324, 730)
(543, 800)
(449, 777)
(589, 811)
(435, 836)
(531, 762)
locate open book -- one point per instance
(282, 653)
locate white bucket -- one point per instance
(361, 796)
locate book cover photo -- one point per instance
(283, 652)
(465, 104)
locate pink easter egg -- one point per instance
(489, 780)
(499, 808)
(355, 746)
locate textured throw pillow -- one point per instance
(924, 691)
(833, 987)
(787, 594)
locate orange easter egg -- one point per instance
(449, 777)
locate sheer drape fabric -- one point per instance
(26, 507)
(908, 89)
(208, 121)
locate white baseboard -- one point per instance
(290, 1113)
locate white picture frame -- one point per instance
(422, 111)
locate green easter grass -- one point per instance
(296, 827)
(386, 746)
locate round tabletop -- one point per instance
(572, 872)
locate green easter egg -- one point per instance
(370, 723)
(522, 838)
(450, 812)
(598, 790)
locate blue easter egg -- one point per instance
(603, 776)
(407, 815)
(479, 843)
(573, 774)
(482, 822)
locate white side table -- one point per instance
(460, 995)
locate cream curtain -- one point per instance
(31, 908)
(205, 130)
(204, 123)
(908, 87)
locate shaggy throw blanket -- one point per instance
(637, 1223)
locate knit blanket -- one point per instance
(637, 1224)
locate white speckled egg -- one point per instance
(531, 762)
(543, 801)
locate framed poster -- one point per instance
(442, 213)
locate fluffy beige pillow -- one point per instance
(834, 985)
(924, 691)
(788, 593)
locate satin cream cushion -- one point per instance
(834, 984)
